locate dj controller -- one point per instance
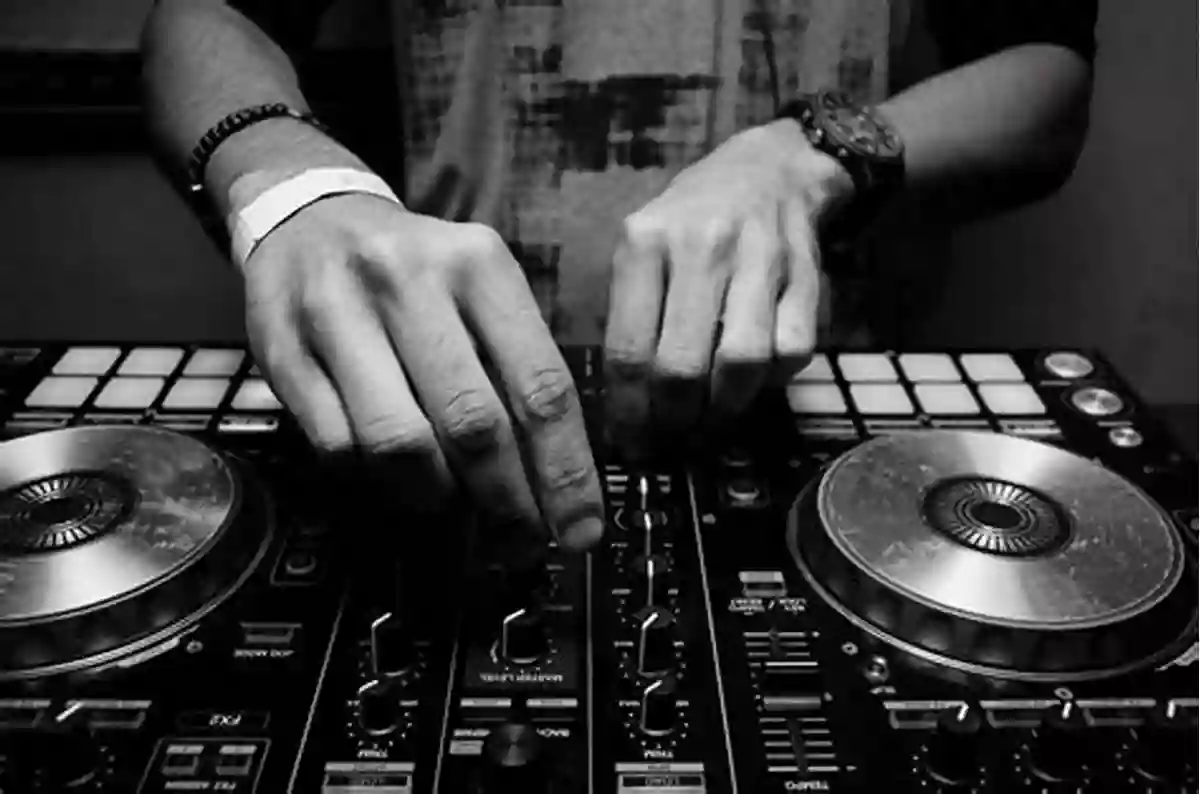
(924, 571)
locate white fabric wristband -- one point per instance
(275, 205)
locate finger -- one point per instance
(699, 268)
(388, 424)
(796, 314)
(634, 310)
(465, 410)
(744, 352)
(540, 389)
(299, 382)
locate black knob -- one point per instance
(378, 708)
(1061, 747)
(954, 749)
(513, 761)
(393, 652)
(1164, 745)
(523, 638)
(652, 574)
(660, 707)
(656, 642)
(55, 759)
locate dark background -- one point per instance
(96, 246)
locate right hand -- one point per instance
(365, 319)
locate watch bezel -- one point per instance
(872, 138)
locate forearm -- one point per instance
(992, 134)
(204, 60)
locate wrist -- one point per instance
(261, 156)
(823, 181)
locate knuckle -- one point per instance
(474, 423)
(625, 364)
(642, 230)
(569, 475)
(481, 243)
(550, 395)
(389, 435)
(677, 362)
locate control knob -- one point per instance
(1165, 743)
(523, 637)
(378, 708)
(954, 749)
(659, 709)
(62, 758)
(656, 642)
(1060, 750)
(513, 761)
(393, 652)
(652, 573)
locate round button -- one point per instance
(1060, 750)
(523, 637)
(1125, 437)
(1097, 402)
(513, 760)
(743, 490)
(656, 642)
(638, 520)
(300, 563)
(1164, 745)
(1066, 364)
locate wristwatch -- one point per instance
(858, 137)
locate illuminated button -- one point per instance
(943, 399)
(129, 393)
(880, 398)
(184, 763)
(866, 367)
(151, 361)
(87, 361)
(1009, 399)
(236, 760)
(1097, 402)
(1065, 364)
(56, 392)
(1125, 437)
(818, 369)
(991, 367)
(816, 398)
(196, 394)
(256, 395)
(211, 362)
(924, 367)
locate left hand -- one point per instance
(728, 258)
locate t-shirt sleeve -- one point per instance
(292, 24)
(968, 31)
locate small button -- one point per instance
(58, 392)
(991, 367)
(212, 362)
(1125, 437)
(151, 361)
(816, 398)
(818, 369)
(859, 367)
(1097, 402)
(196, 394)
(236, 760)
(880, 398)
(1068, 365)
(181, 765)
(256, 395)
(942, 399)
(129, 393)
(87, 361)
(925, 367)
(1011, 399)
(300, 563)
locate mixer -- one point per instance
(932, 571)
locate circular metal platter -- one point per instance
(115, 539)
(995, 554)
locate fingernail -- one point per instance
(583, 534)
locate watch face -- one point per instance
(862, 131)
